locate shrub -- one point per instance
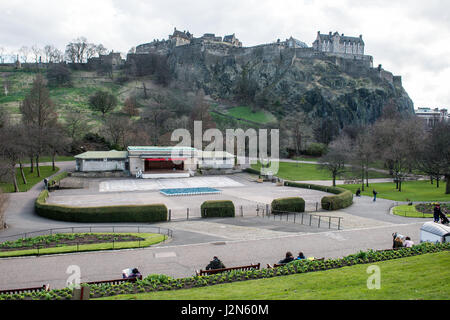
(340, 201)
(218, 209)
(343, 198)
(316, 149)
(146, 213)
(295, 204)
(252, 171)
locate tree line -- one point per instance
(401, 143)
(79, 50)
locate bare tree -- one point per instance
(337, 158)
(76, 125)
(24, 53)
(433, 156)
(38, 115)
(155, 117)
(2, 55)
(57, 142)
(117, 127)
(37, 52)
(11, 151)
(363, 154)
(100, 49)
(297, 130)
(395, 143)
(130, 107)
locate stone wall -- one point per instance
(96, 166)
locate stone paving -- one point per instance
(238, 241)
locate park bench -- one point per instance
(215, 271)
(44, 288)
(277, 265)
(114, 282)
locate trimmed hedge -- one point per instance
(253, 171)
(145, 213)
(295, 204)
(218, 209)
(343, 198)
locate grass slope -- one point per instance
(247, 114)
(32, 179)
(305, 172)
(425, 277)
(412, 190)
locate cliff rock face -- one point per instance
(283, 80)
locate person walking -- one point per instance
(437, 212)
(374, 195)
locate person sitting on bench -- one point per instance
(131, 273)
(215, 264)
(289, 258)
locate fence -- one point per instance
(264, 211)
(308, 219)
(90, 229)
(417, 214)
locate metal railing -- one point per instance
(307, 219)
(264, 211)
(90, 229)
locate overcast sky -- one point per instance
(410, 38)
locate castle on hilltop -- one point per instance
(336, 43)
(345, 51)
(330, 44)
(183, 38)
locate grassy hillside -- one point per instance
(246, 113)
(424, 277)
(73, 98)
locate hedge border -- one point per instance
(218, 209)
(292, 204)
(155, 283)
(113, 214)
(342, 199)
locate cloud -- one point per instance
(408, 38)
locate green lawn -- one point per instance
(424, 277)
(410, 211)
(247, 114)
(32, 179)
(412, 190)
(305, 172)
(48, 159)
(305, 158)
(150, 239)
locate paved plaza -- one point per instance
(241, 189)
(240, 240)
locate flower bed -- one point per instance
(164, 283)
(59, 240)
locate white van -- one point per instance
(434, 232)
